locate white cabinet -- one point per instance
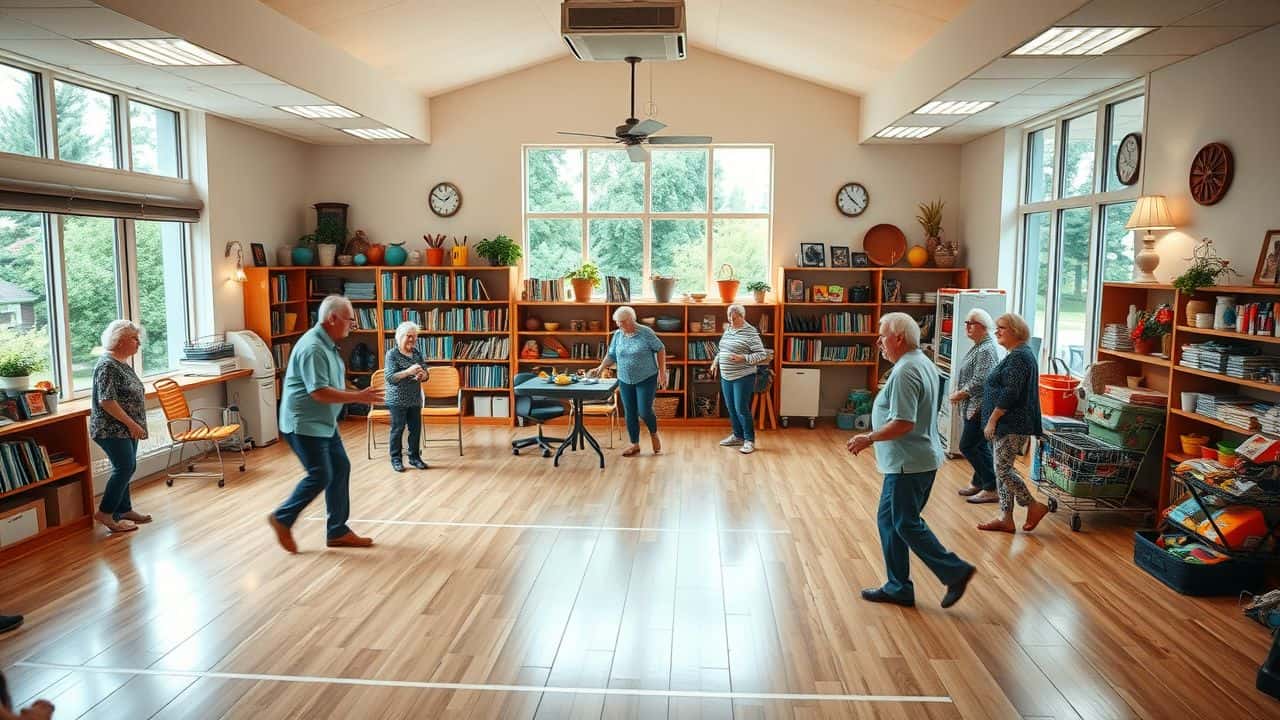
(801, 391)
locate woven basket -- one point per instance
(1099, 375)
(665, 407)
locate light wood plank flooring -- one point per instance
(715, 572)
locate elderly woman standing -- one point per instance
(970, 381)
(641, 359)
(1011, 414)
(117, 421)
(405, 370)
(740, 351)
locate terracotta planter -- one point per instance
(435, 256)
(1145, 346)
(728, 290)
(582, 290)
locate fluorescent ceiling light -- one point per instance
(908, 132)
(954, 107)
(164, 51)
(376, 133)
(319, 111)
(1080, 40)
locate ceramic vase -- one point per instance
(284, 255)
(435, 256)
(327, 253)
(303, 255)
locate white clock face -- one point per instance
(852, 199)
(1127, 159)
(445, 199)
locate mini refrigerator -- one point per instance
(950, 346)
(801, 392)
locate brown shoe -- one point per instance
(283, 534)
(350, 540)
(657, 444)
(969, 491)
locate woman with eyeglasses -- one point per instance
(1011, 415)
(970, 381)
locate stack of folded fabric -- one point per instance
(1138, 396)
(1115, 336)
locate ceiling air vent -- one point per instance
(601, 31)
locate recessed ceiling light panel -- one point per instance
(1080, 40)
(172, 52)
(376, 133)
(907, 132)
(954, 107)
(316, 112)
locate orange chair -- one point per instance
(608, 409)
(377, 413)
(443, 383)
(194, 430)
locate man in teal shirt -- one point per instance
(905, 436)
(313, 395)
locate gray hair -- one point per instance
(330, 304)
(902, 325)
(981, 316)
(403, 329)
(626, 311)
(736, 308)
(115, 332)
(1017, 326)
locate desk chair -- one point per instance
(443, 383)
(377, 414)
(536, 410)
(193, 430)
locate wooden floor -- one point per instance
(700, 570)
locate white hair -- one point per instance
(403, 329)
(736, 308)
(981, 316)
(902, 325)
(116, 330)
(626, 311)
(330, 304)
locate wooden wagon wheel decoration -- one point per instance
(1211, 172)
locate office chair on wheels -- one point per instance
(536, 410)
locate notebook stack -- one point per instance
(1246, 415)
(1249, 368)
(1213, 356)
(1271, 421)
(1138, 396)
(1115, 336)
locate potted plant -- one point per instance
(584, 278)
(1205, 268)
(759, 288)
(329, 235)
(663, 287)
(19, 357)
(501, 250)
(304, 253)
(942, 251)
(728, 283)
(1151, 328)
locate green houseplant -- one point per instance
(584, 278)
(501, 250)
(942, 251)
(759, 288)
(330, 233)
(1205, 268)
(20, 355)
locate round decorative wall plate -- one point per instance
(885, 244)
(1211, 173)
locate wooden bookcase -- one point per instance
(65, 432)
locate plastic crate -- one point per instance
(1226, 578)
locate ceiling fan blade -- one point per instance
(646, 127)
(637, 153)
(593, 135)
(680, 140)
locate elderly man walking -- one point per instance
(313, 395)
(905, 436)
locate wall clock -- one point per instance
(1129, 158)
(852, 199)
(445, 199)
(1211, 172)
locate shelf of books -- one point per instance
(46, 485)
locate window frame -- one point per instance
(42, 118)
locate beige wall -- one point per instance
(988, 168)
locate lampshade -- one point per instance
(1151, 213)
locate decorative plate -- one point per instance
(1211, 173)
(885, 244)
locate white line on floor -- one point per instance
(534, 526)
(701, 694)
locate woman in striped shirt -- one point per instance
(740, 352)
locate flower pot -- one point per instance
(663, 287)
(345, 260)
(582, 290)
(284, 255)
(1196, 308)
(759, 294)
(327, 254)
(396, 254)
(303, 255)
(15, 383)
(435, 256)
(1145, 346)
(458, 255)
(728, 290)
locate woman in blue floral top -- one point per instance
(117, 421)
(404, 370)
(641, 359)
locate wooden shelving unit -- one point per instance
(63, 432)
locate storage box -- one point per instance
(63, 503)
(1123, 424)
(21, 522)
(482, 406)
(501, 406)
(1226, 578)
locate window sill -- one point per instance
(186, 382)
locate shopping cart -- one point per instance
(1085, 474)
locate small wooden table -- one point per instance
(577, 393)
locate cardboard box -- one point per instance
(64, 503)
(21, 523)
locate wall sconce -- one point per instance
(1150, 213)
(238, 275)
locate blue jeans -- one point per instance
(411, 418)
(737, 398)
(901, 529)
(123, 454)
(977, 450)
(637, 404)
(328, 471)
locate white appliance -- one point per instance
(801, 390)
(955, 305)
(604, 30)
(255, 395)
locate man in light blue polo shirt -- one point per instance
(313, 395)
(905, 435)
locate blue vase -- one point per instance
(360, 259)
(303, 255)
(396, 254)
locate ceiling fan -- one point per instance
(635, 134)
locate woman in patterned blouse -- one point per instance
(117, 421)
(405, 369)
(970, 382)
(740, 352)
(1011, 414)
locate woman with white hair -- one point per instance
(404, 369)
(641, 359)
(970, 381)
(740, 352)
(117, 421)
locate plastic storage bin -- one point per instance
(1123, 424)
(1227, 578)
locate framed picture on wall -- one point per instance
(1268, 270)
(839, 256)
(813, 255)
(259, 254)
(859, 259)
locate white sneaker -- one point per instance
(731, 441)
(747, 448)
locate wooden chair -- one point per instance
(443, 383)
(377, 414)
(193, 430)
(608, 409)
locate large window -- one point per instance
(19, 111)
(153, 139)
(24, 290)
(86, 125)
(685, 213)
(90, 251)
(160, 255)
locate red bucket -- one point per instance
(1058, 393)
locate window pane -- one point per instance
(614, 183)
(153, 136)
(1117, 243)
(1073, 286)
(24, 297)
(1035, 278)
(555, 247)
(162, 299)
(679, 179)
(89, 250)
(553, 178)
(617, 246)
(86, 125)
(1080, 148)
(19, 112)
(744, 244)
(680, 251)
(1126, 117)
(741, 180)
(1040, 148)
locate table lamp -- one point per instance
(1150, 213)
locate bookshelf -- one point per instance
(62, 501)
